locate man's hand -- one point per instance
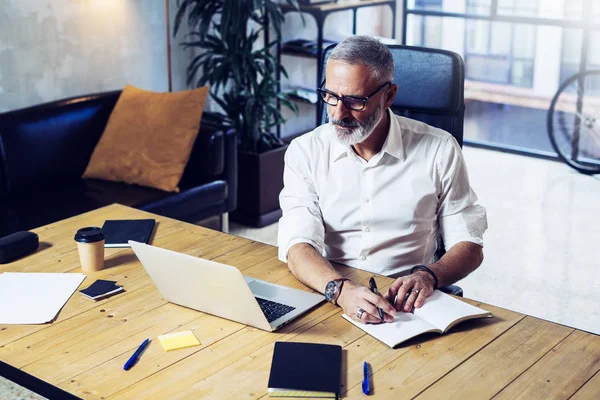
(354, 298)
(418, 286)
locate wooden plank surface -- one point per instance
(561, 372)
(591, 389)
(424, 360)
(84, 350)
(491, 369)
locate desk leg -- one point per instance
(225, 222)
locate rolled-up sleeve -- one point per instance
(460, 219)
(302, 221)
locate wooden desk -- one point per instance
(84, 350)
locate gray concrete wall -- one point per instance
(52, 49)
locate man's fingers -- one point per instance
(373, 319)
(385, 306)
(379, 301)
(410, 301)
(420, 299)
(395, 286)
(392, 291)
(389, 295)
(360, 315)
(401, 298)
(367, 315)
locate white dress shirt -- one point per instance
(383, 215)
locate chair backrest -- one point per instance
(430, 87)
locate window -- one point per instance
(434, 5)
(523, 46)
(479, 7)
(500, 52)
(572, 40)
(520, 8)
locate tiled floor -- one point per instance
(542, 246)
(12, 391)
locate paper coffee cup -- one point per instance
(90, 244)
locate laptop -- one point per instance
(221, 289)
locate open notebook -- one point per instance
(439, 313)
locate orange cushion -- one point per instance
(148, 138)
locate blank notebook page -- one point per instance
(442, 310)
(404, 327)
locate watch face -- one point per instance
(330, 290)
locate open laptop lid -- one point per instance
(200, 284)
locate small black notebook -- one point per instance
(118, 231)
(101, 289)
(306, 370)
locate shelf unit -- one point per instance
(320, 12)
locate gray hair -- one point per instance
(367, 51)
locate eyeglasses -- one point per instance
(356, 103)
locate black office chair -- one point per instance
(430, 89)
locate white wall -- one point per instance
(52, 49)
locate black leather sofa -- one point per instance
(44, 150)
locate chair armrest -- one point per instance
(452, 289)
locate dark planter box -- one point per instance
(260, 180)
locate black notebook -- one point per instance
(118, 231)
(101, 289)
(306, 370)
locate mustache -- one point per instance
(345, 123)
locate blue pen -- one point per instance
(136, 355)
(366, 388)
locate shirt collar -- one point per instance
(338, 150)
(393, 144)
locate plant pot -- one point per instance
(260, 180)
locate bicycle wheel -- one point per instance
(574, 122)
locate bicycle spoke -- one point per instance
(574, 122)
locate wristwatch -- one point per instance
(333, 289)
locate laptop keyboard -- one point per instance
(273, 310)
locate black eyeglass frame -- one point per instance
(364, 99)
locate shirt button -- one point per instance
(363, 258)
(366, 199)
(367, 229)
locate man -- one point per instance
(371, 190)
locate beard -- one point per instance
(351, 131)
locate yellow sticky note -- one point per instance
(178, 340)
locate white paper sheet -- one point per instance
(35, 298)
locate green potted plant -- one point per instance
(239, 65)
